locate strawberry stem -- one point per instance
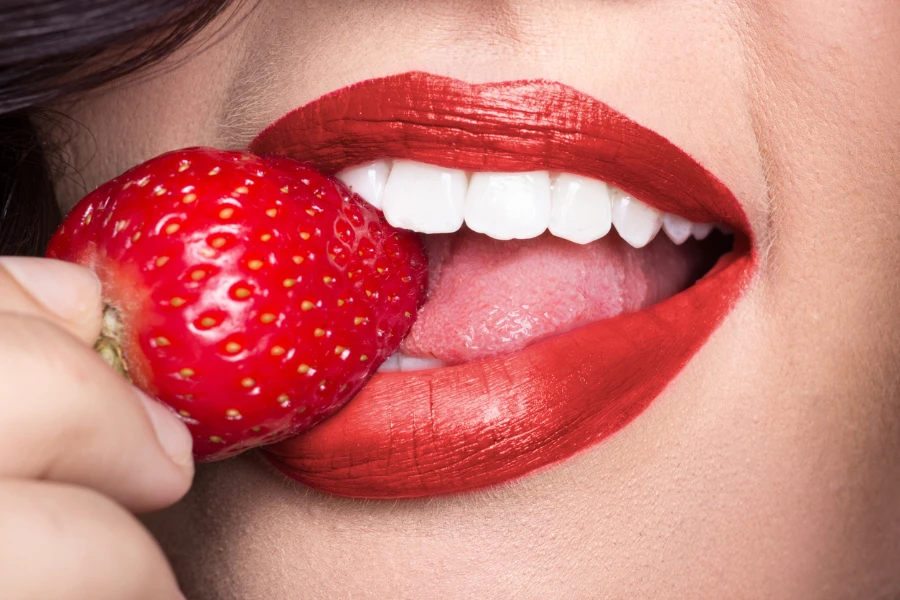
(109, 344)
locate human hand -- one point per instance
(80, 449)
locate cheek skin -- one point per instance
(176, 104)
(770, 467)
(828, 122)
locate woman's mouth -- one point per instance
(568, 286)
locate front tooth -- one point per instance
(425, 198)
(418, 363)
(678, 229)
(636, 222)
(702, 230)
(368, 180)
(509, 206)
(391, 365)
(401, 363)
(581, 210)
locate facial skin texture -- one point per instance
(770, 468)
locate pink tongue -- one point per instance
(489, 298)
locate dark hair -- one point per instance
(52, 49)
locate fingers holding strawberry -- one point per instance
(78, 446)
(254, 296)
(64, 416)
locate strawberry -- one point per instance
(254, 296)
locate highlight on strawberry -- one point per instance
(254, 296)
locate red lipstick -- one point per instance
(481, 423)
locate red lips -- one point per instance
(482, 423)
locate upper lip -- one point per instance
(462, 427)
(508, 127)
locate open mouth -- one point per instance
(578, 260)
(504, 271)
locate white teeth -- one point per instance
(636, 222)
(678, 229)
(425, 198)
(581, 209)
(509, 206)
(417, 363)
(368, 180)
(701, 230)
(400, 363)
(391, 365)
(506, 206)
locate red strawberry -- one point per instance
(254, 296)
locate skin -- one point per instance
(769, 468)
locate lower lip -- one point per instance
(460, 428)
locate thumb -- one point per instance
(61, 292)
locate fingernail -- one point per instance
(172, 434)
(65, 289)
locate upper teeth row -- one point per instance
(504, 206)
